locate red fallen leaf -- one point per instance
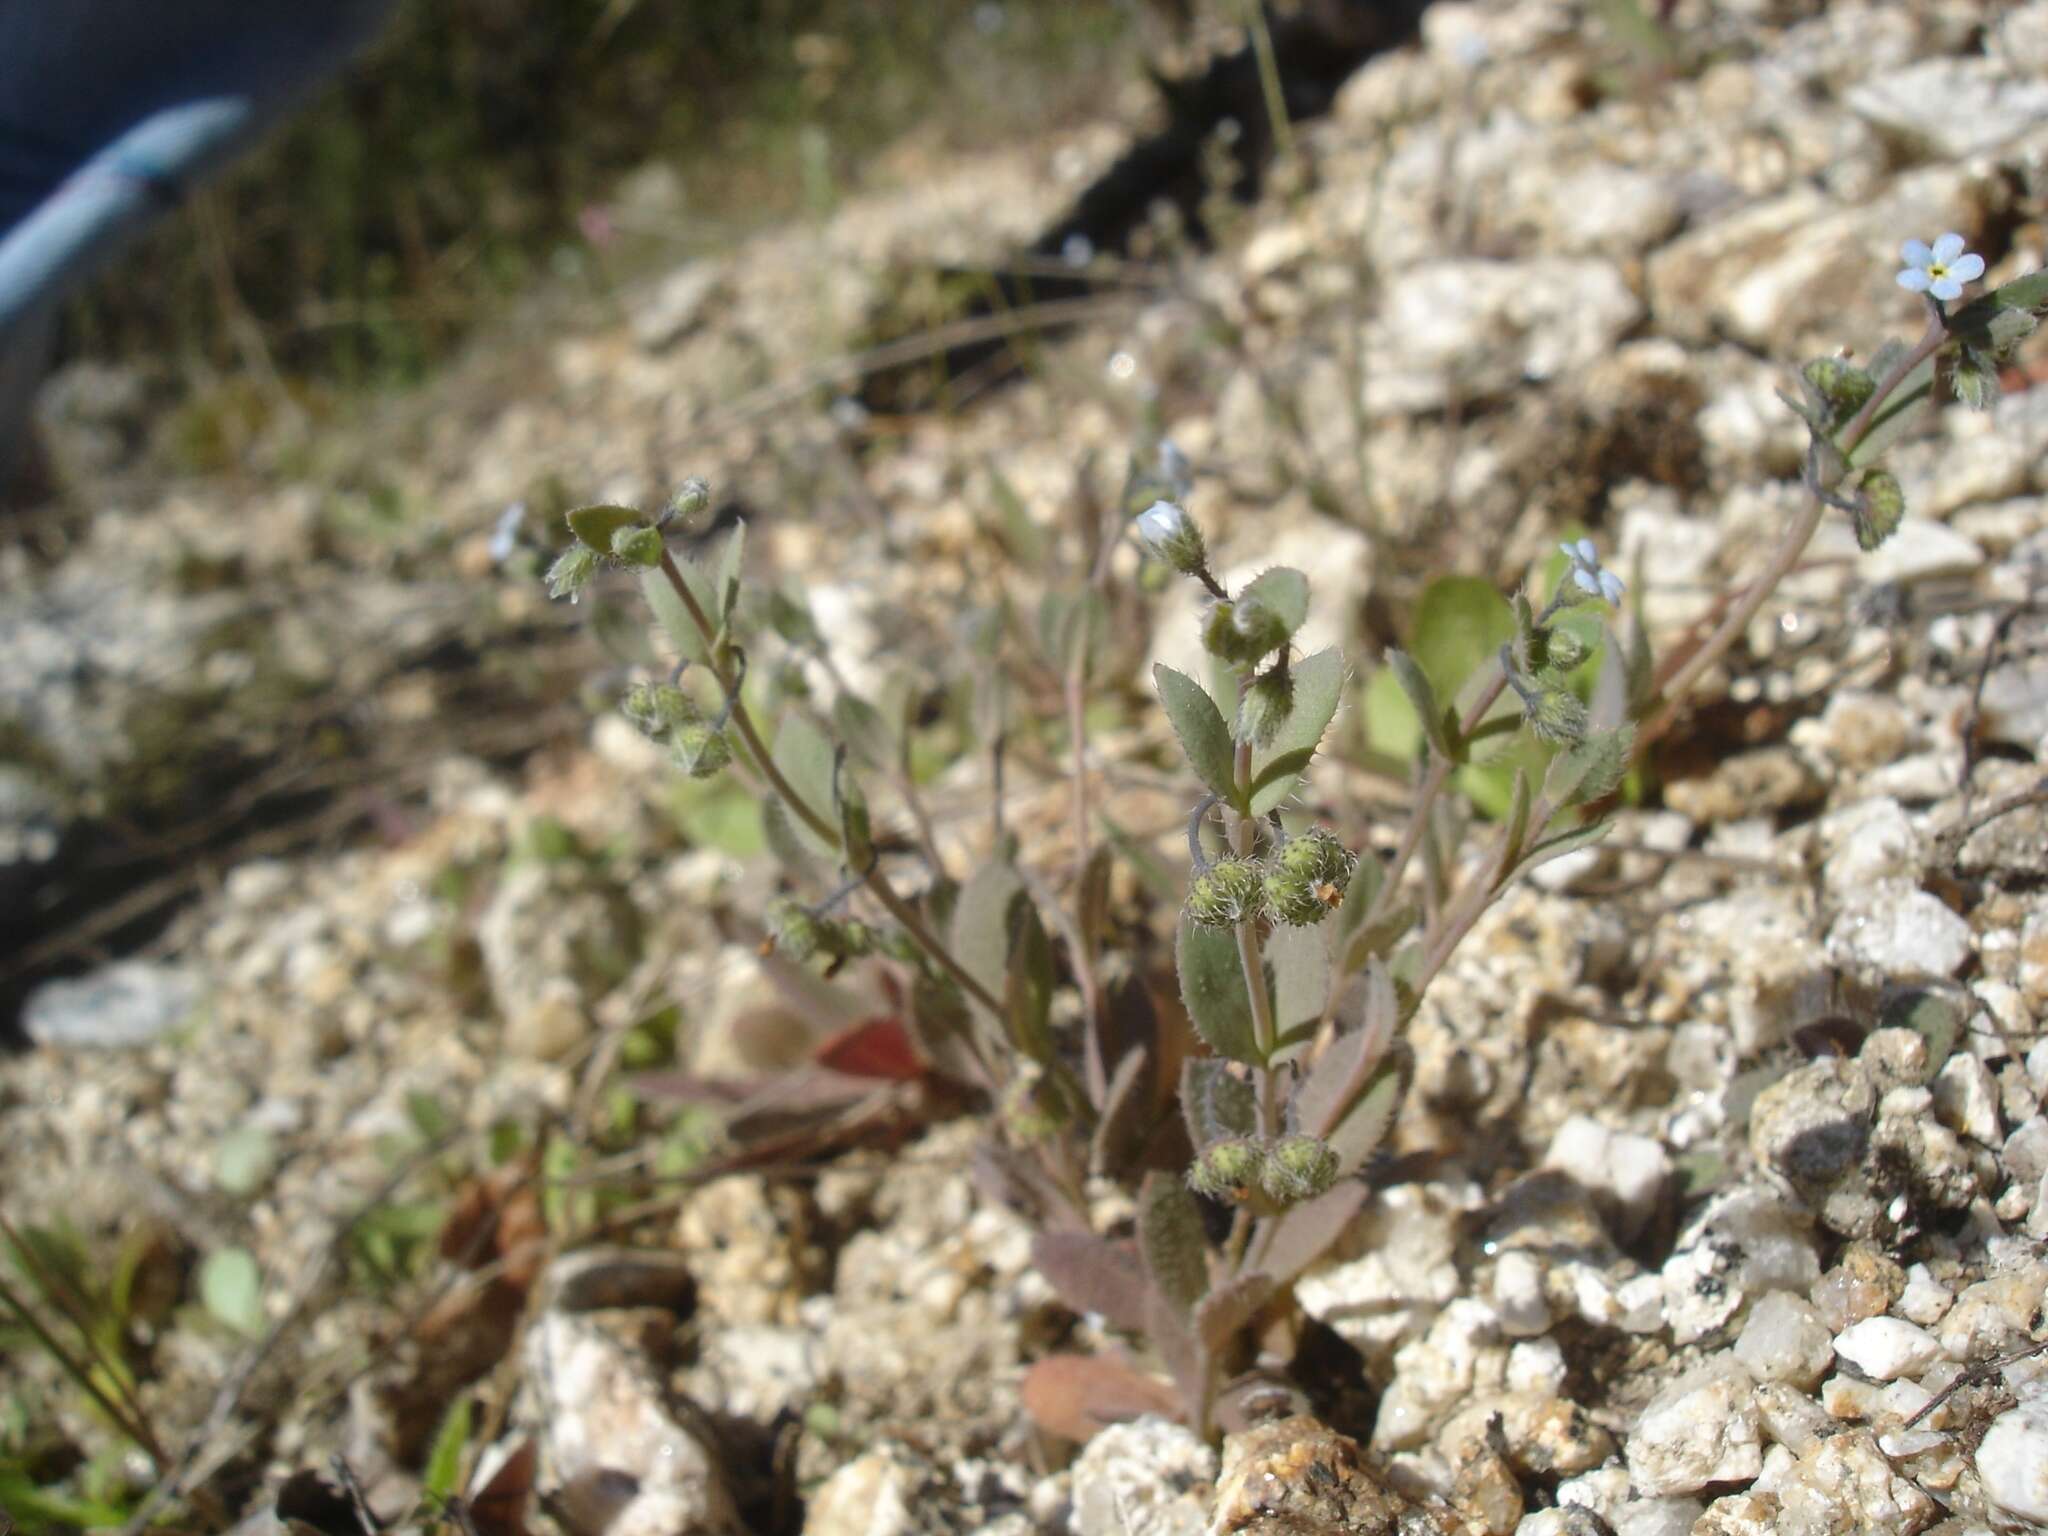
(498, 1508)
(1075, 1396)
(875, 1048)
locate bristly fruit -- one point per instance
(1229, 891)
(700, 749)
(1298, 1168)
(795, 930)
(1229, 1169)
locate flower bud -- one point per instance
(691, 497)
(1556, 650)
(1554, 715)
(1171, 537)
(637, 546)
(700, 749)
(1265, 707)
(1228, 891)
(571, 573)
(1298, 1168)
(1228, 1170)
(1884, 505)
(797, 931)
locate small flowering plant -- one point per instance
(1297, 959)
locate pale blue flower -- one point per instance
(1586, 571)
(1941, 269)
(1172, 537)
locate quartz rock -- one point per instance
(1701, 1429)
(1886, 1348)
(608, 1413)
(1812, 1125)
(1966, 1099)
(118, 1007)
(1952, 108)
(1900, 931)
(1845, 1486)
(1465, 329)
(871, 1495)
(1784, 1340)
(1148, 1477)
(1625, 1172)
(2012, 1461)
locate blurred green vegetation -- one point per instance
(474, 149)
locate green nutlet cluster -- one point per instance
(657, 708)
(1297, 1168)
(1229, 1169)
(700, 749)
(1229, 891)
(1841, 384)
(802, 934)
(1308, 879)
(1884, 507)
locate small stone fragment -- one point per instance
(1886, 1348)
(1784, 1340)
(1145, 1478)
(1701, 1429)
(2013, 1461)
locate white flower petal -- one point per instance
(1588, 581)
(1967, 270)
(1587, 554)
(1914, 253)
(1915, 278)
(1611, 587)
(1948, 247)
(1946, 288)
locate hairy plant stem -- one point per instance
(1793, 545)
(1433, 780)
(877, 883)
(1243, 839)
(1087, 970)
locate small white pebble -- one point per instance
(1925, 1300)
(2013, 1462)
(1886, 1348)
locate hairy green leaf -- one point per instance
(1216, 1103)
(1170, 1239)
(1212, 987)
(231, 1288)
(1203, 735)
(1277, 769)
(730, 565)
(670, 612)
(1028, 987)
(1590, 769)
(1298, 965)
(804, 754)
(1283, 592)
(983, 923)
(1562, 843)
(1421, 698)
(595, 526)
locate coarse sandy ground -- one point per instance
(1534, 277)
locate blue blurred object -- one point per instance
(110, 111)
